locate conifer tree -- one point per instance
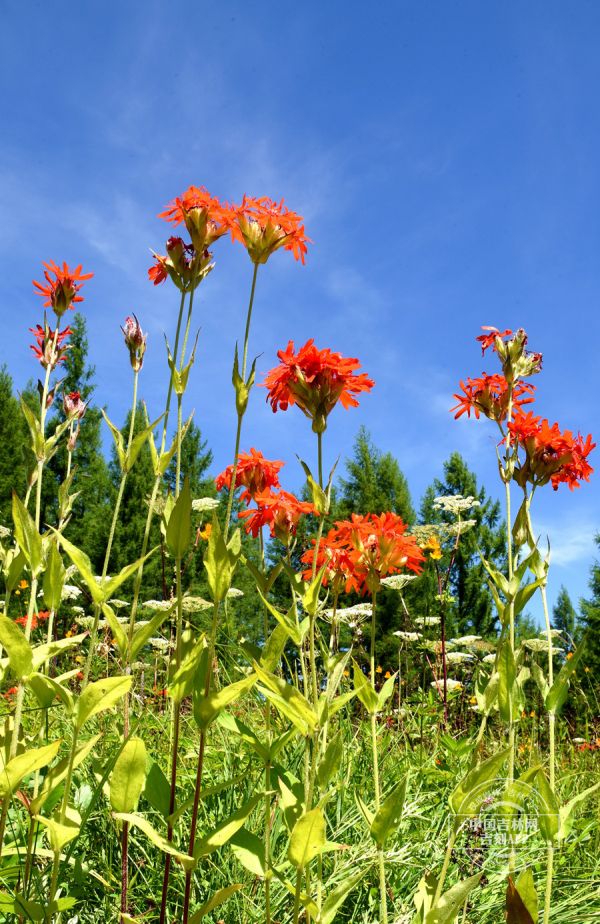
(590, 609)
(374, 483)
(564, 615)
(14, 448)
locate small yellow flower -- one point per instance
(379, 669)
(79, 659)
(523, 715)
(569, 656)
(532, 714)
(205, 533)
(346, 673)
(69, 634)
(587, 670)
(473, 701)
(433, 546)
(17, 593)
(387, 674)
(23, 585)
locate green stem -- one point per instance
(444, 871)
(240, 416)
(380, 854)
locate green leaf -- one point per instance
(18, 649)
(54, 578)
(191, 671)
(161, 465)
(507, 692)
(21, 906)
(549, 816)
(566, 811)
(26, 534)
(13, 569)
(467, 799)
(364, 810)
(58, 773)
(23, 764)
(137, 445)
(310, 597)
(60, 832)
(35, 429)
(100, 696)
(217, 899)
(452, 902)
(116, 628)
(287, 621)
(249, 850)
(207, 708)
(43, 653)
(158, 790)
(318, 495)
(559, 689)
(84, 566)
(219, 563)
(274, 648)
(287, 700)
(521, 900)
(143, 633)
(128, 776)
(46, 690)
(110, 588)
(119, 441)
(389, 815)
(337, 897)
(524, 595)
(308, 838)
(226, 829)
(423, 897)
(386, 691)
(157, 839)
(330, 761)
(179, 527)
(498, 579)
(365, 692)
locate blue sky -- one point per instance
(445, 158)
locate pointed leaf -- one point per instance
(24, 764)
(100, 696)
(549, 815)
(249, 850)
(27, 535)
(226, 829)
(128, 776)
(59, 832)
(54, 578)
(143, 634)
(559, 689)
(337, 897)
(207, 708)
(137, 444)
(58, 773)
(389, 815)
(521, 900)
(308, 838)
(157, 839)
(217, 899)
(18, 649)
(118, 438)
(468, 797)
(365, 692)
(452, 901)
(566, 811)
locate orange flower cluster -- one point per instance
(489, 339)
(36, 619)
(365, 549)
(550, 454)
(260, 224)
(488, 395)
(45, 349)
(315, 380)
(255, 473)
(280, 511)
(264, 226)
(62, 291)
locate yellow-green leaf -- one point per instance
(157, 839)
(99, 696)
(23, 764)
(128, 776)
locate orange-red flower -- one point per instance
(489, 339)
(374, 545)
(205, 217)
(489, 394)
(186, 266)
(255, 473)
(263, 226)
(281, 512)
(315, 380)
(550, 454)
(36, 618)
(62, 291)
(47, 351)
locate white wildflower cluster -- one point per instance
(539, 645)
(192, 604)
(78, 610)
(428, 620)
(455, 503)
(466, 640)
(451, 685)
(489, 659)
(161, 644)
(118, 604)
(204, 504)
(70, 592)
(458, 657)
(408, 636)
(4, 532)
(398, 581)
(157, 604)
(460, 527)
(70, 571)
(87, 622)
(352, 616)
(554, 633)
(235, 592)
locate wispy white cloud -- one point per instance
(570, 542)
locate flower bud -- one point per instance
(74, 406)
(72, 441)
(135, 340)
